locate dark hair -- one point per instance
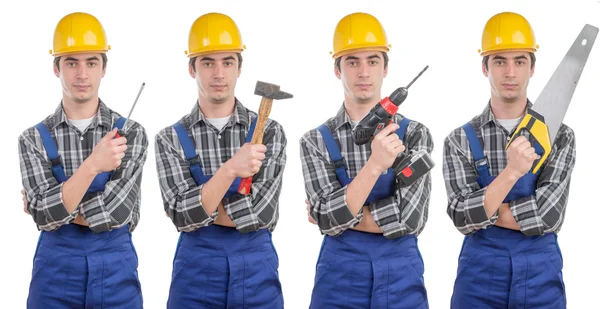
(338, 61)
(104, 61)
(485, 60)
(192, 62)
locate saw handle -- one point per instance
(538, 136)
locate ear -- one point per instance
(532, 71)
(55, 69)
(191, 71)
(385, 71)
(239, 72)
(337, 72)
(484, 70)
(104, 70)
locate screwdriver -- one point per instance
(122, 132)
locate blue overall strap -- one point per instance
(57, 168)
(190, 152)
(120, 122)
(251, 131)
(402, 129)
(334, 152)
(475, 145)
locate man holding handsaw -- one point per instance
(369, 256)
(220, 171)
(507, 174)
(82, 183)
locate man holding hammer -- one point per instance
(369, 257)
(220, 183)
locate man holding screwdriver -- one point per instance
(225, 257)
(369, 256)
(510, 257)
(82, 183)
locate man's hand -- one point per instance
(385, 147)
(24, 202)
(310, 219)
(521, 156)
(108, 153)
(247, 160)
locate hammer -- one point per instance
(269, 92)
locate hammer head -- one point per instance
(270, 91)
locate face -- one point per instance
(216, 76)
(80, 76)
(509, 75)
(362, 75)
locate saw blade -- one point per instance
(554, 99)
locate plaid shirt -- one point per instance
(117, 205)
(182, 197)
(403, 213)
(537, 214)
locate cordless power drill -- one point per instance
(407, 168)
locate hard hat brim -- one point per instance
(216, 51)
(360, 49)
(507, 50)
(92, 51)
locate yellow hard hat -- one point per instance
(356, 32)
(507, 31)
(79, 32)
(214, 32)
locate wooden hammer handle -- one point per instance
(257, 138)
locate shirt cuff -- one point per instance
(475, 210)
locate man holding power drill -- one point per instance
(81, 184)
(510, 256)
(369, 256)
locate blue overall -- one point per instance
(219, 267)
(75, 268)
(503, 268)
(364, 270)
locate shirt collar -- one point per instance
(240, 115)
(488, 116)
(102, 116)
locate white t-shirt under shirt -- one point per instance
(82, 124)
(219, 123)
(509, 124)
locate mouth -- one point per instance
(509, 86)
(364, 85)
(82, 87)
(218, 87)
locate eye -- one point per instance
(520, 63)
(352, 63)
(499, 62)
(207, 64)
(92, 64)
(373, 62)
(71, 64)
(228, 63)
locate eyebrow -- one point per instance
(212, 59)
(356, 58)
(514, 58)
(87, 59)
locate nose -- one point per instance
(363, 72)
(82, 72)
(219, 71)
(510, 71)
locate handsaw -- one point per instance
(544, 118)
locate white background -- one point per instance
(288, 43)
